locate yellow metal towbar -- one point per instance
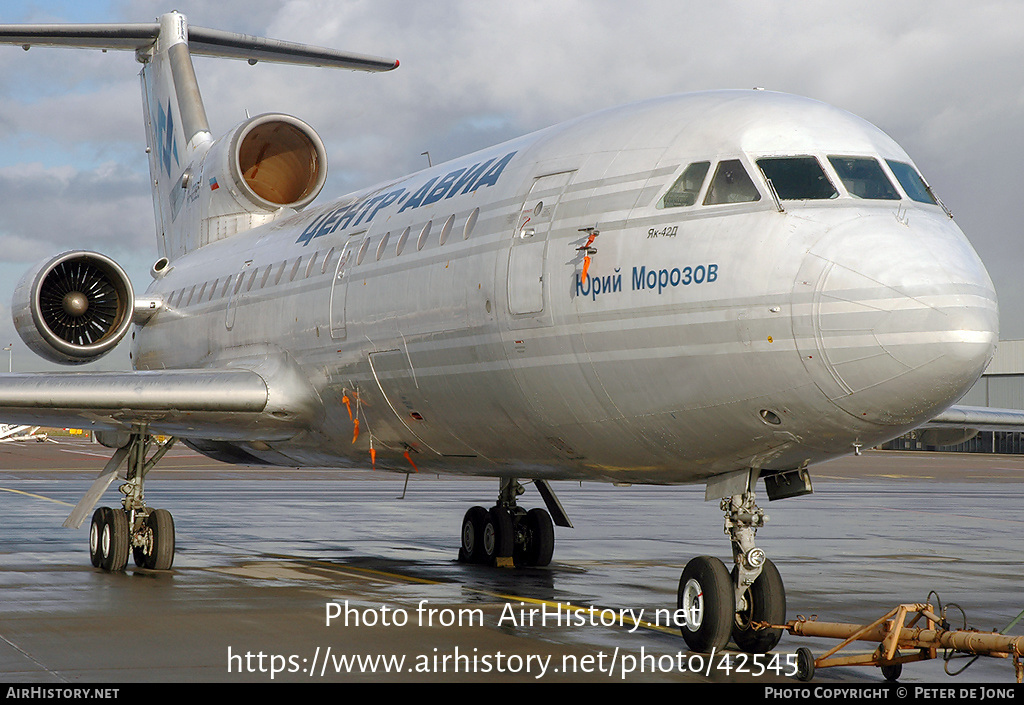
(900, 641)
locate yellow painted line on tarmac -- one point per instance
(354, 569)
(36, 496)
(622, 617)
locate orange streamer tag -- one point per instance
(409, 458)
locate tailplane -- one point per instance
(206, 189)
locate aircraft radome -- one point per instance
(709, 288)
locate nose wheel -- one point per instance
(717, 604)
(705, 598)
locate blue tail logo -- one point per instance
(166, 142)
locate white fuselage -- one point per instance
(705, 338)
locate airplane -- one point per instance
(11, 433)
(705, 288)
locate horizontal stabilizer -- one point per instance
(202, 41)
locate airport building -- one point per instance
(1002, 387)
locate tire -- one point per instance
(766, 602)
(892, 672)
(113, 541)
(161, 524)
(471, 550)
(705, 595)
(540, 538)
(498, 535)
(99, 518)
(804, 664)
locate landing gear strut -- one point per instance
(507, 534)
(717, 604)
(146, 533)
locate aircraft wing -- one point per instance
(221, 404)
(958, 424)
(981, 418)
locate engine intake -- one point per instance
(272, 160)
(73, 308)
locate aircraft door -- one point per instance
(529, 244)
(339, 292)
(236, 286)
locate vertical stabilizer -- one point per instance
(177, 130)
(273, 162)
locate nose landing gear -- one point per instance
(717, 604)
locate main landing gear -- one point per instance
(507, 535)
(146, 533)
(717, 604)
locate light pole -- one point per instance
(10, 357)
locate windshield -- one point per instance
(797, 178)
(911, 181)
(731, 184)
(684, 191)
(863, 177)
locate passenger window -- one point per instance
(311, 264)
(362, 250)
(470, 223)
(446, 230)
(424, 234)
(401, 240)
(863, 178)
(327, 259)
(684, 191)
(383, 245)
(731, 184)
(911, 182)
(797, 178)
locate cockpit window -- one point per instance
(684, 191)
(797, 178)
(911, 182)
(731, 184)
(863, 178)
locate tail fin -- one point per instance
(177, 131)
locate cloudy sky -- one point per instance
(944, 78)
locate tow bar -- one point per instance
(900, 641)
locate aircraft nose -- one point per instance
(895, 318)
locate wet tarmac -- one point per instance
(264, 556)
